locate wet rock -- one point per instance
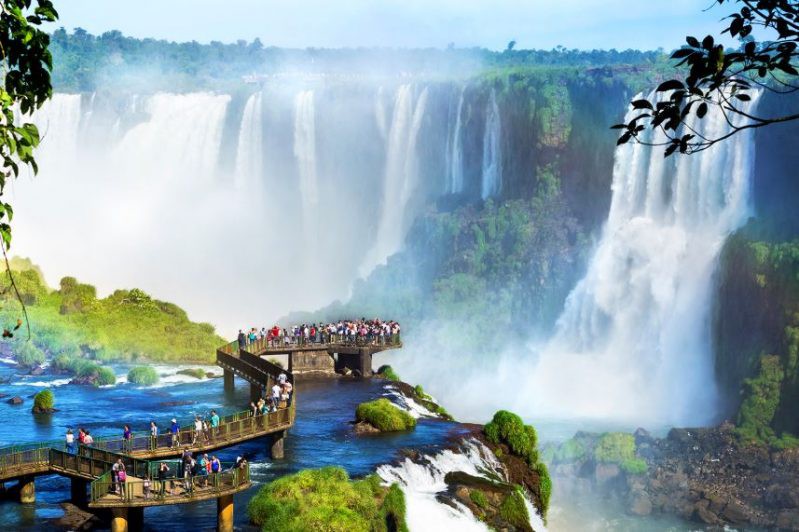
(703, 513)
(604, 473)
(38, 370)
(365, 428)
(640, 505)
(680, 436)
(76, 519)
(39, 410)
(643, 436)
(16, 400)
(736, 513)
(788, 520)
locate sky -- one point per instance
(542, 24)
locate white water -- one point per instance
(249, 155)
(633, 342)
(305, 152)
(492, 150)
(420, 482)
(401, 175)
(407, 404)
(454, 151)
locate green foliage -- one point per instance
(197, 373)
(506, 427)
(387, 372)
(27, 354)
(143, 376)
(105, 376)
(127, 325)
(420, 392)
(479, 499)
(619, 448)
(382, 414)
(761, 399)
(44, 400)
(546, 486)
(514, 511)
(326, 500)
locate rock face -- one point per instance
(363, 427)
(16, 400)
(702, 475)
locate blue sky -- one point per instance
(586, 24)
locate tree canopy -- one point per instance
(723, 79)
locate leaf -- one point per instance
(692, 41)
(707, 43)
(642, 104)
(701, 111)
(670, 85)
(743, 97)
(624, 139)
(682, 52)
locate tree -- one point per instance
(510, 46)
(723, 79)
(26, 63)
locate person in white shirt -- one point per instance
(276, 391)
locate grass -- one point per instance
(514, 511)
(327, 499)
(28, 355)
(506, 427)
(84, 368)
(44, 400)
(143, 376)
(383, 415)
(479, 499)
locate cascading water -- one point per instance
(633, 342)
(401, 175)
(423, 479)
(249, 155)
(492, 150)
(454, 151)
(305, 153)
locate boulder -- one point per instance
(365, 428)
(703, 513)
(680, 436)
(38, 370)
(788, 520)
(604, 473)
(640, 504)
(16, 400)
(736, 513)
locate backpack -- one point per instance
(122, 476)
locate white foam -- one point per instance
(403, 402)
(43, 384)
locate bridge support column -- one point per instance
(78, 492)
(255, 393)
(276, 445)
(224, 513)
(27, 490)
(119, 520)
(365, 362)
(229, 384)
(136, 519)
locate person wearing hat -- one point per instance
(174, 429)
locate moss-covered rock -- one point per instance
(197, 373)
(514, 512)
(384, 416)
(143, 376)
(43, 402)
(326, 499)
(619, 448)
(388, 373)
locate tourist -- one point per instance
(203, 465)
(153, 435)
(206, 431)
(87, 439)
(146, 486)
(253, 409)
(174, 430)
(115, 476)
(198, 429)
(214, 423)
(163, 469)
(81, 436)
(122, 476)
(216, 467)
(242, 340)
(186, 460)
(277, 390)
(127, 437)
(287, 389)
(281, 379)
(70, 441)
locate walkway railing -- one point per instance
(325, 341)
(104, 491)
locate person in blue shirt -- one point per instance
(174, 429)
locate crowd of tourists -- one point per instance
(361, 332)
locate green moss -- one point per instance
(419, 391)
(615, 447)
(761, 399)
(44, 400)
(506, 427)
(546, 486)
(143, 376)
(387, 372)
(634, 466)
(572, 450)
(105, 376)
(514, 511)
(326, 499)
(197, 373)
(479, 499)
(383, 415)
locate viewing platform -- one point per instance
(90, 467)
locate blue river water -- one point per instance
(322, 435)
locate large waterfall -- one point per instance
(492, 150)
(305, 152)
(633, 342)
(455, 150)
(249, 156)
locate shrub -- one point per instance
(514, 511)
(383, 415)
(479, 499)
(506, 427)
(761, 399)
(420, 392)
(326, 499)
(546, 486)
(105, 376)
(615, 447)
(635, 466)
(28, 355)
(197, 373)
(143, 376)
(571, 450)
(387, 372)
(44, 400)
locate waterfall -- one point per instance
(59, 122)
(422, 480)
(492, 150)
(249, 153)
(454, 154)
(305, 153)
(401, 176)
(633, 342)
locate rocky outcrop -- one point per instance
(702, 475)
(16, 400)
(493, 502)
